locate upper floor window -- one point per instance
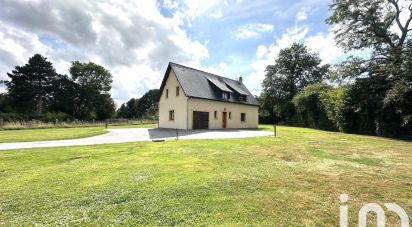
(167, 93)
(243, 98)
(225, 95)
(177, 91)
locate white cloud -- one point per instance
(323, 44)
(253, 30)
(216, 14)
(302, 15)
(130, 38)
(197, 8)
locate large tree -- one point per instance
(92, 83)
(294, 69)
(382, 27)
(30, 86)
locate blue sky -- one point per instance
(136, 39)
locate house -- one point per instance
(194, 99)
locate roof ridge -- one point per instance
(202, 71)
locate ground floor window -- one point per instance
(215, 114)
(242, 117)
(230, 115)
(171, 115)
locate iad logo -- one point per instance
(372, 207)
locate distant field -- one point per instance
(292, 180)
(26, 135)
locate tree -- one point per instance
(147, 104)
(91, 77)
(92, 83)
(294, 69)
(4, 103)
(30, 86)
(105, 107)
(309, 109)
(370, 24)
(122, 111)
(378, 26)
(335, 104)
(65, 93)
(145, 107)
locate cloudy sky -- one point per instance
(136, 39)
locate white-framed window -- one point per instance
(225, 95)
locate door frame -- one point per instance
(224, 119)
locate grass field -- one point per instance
(292, 180)
(26, 135)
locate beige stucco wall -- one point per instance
(173, 102)
(195, 104)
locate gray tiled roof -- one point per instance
(199, 84)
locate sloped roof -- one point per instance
(200, 84)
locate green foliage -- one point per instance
(368, 23)
(294, 69)
(93, 83)
(91, 77)
(36, 91)
(309, 109)
(30, 86)
(145, 107)
(65, 93)
(5, 105)
(53, 116)
(380, 93)
(105, 107)
(335, 103)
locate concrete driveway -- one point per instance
(140, 134)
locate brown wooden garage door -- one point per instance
(200, 120)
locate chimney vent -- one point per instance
(240, 80)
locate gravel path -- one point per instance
(139, 134)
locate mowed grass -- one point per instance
(292, 180)
(27, 135)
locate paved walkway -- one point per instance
(139, 134)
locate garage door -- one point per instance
(200, 120)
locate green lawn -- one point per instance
(292, 180)
(25, 135)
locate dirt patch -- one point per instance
(77, 158)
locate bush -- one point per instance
(309, 110)
(53, 116)
(335, 103)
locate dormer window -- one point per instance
(242, 98)
(225, 95)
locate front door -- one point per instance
(224, 120)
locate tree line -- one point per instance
(146, 107)
(36, 91)
(359, 95)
